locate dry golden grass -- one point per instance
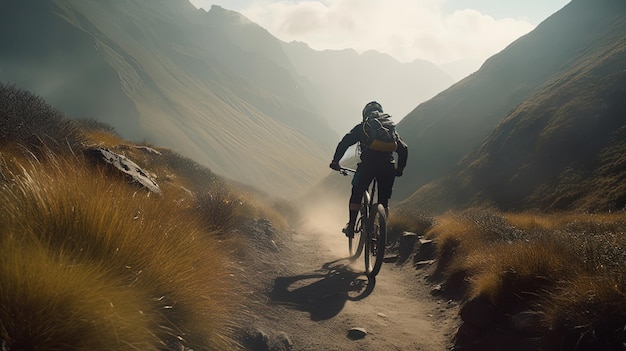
(514, 275)
(206, 197)
(450, 229)
(590, 306)
(407, 221)
(110, 266)
(533, 221)
(103, 138)
(91, 261)
(572, 221)
(51, 301)
(569, 266)
(460, 234)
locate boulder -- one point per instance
(124, 165)
(407, 244)
(426, 251)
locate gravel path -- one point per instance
(309, 297)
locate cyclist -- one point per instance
(374, 164)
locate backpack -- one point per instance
(380, 132)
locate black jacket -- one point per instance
(370, 156)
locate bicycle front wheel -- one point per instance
(355, 243)
(375, 241)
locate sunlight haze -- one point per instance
(440, 31)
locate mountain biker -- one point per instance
(374, 164)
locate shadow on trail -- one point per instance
(324, 292)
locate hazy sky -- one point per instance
(440, 31)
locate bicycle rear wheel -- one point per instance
(375, 240)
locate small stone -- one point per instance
(391, 259)
(357, 333)
(285, 339)
(424, 263)
(260, 339)
(436, 290)
(274, 245)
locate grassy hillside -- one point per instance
(562, 147)
(93, 261)
(526, 280)
(546, 282)
(555, 100)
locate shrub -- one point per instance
(26, 119)
(567, 266)
(588, 313)
(217, 209)
(90, 124)
(515, 275)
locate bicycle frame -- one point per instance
(372, 227)
(370, 191)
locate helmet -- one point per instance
(371, 107)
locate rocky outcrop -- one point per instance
(124, 165)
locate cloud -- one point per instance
(405, 29)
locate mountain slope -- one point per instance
(59, 62)
(561, 144)
(158, 70)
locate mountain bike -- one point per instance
(370, 230)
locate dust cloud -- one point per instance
(324, 218)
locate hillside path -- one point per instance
(310, 297)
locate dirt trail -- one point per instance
(311, 297)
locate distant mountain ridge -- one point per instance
(345, 81)
(220, 89)
(540, 125)
(213, 85)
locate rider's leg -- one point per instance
(348, 230)
(354, 212)
(361, 181)
(386, 178)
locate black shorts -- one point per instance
(385, 174)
